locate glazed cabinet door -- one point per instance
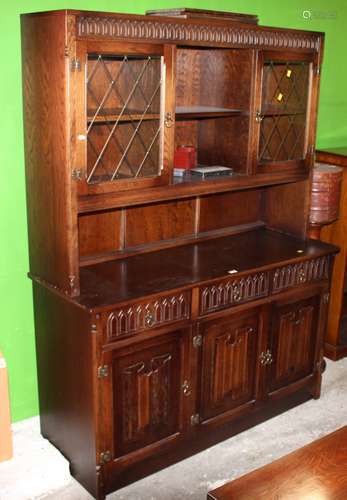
(293, 342)
(123, 115)
(285, 114)
(144, 398)
(229, 363)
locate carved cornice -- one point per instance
(110, 27)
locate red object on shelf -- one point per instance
(185, 157)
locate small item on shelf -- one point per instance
(325, 197)
(185, 157)
(325, 193)
(211, 171)
(180, 172)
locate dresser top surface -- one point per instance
(116, 281)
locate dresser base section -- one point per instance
(115, 479)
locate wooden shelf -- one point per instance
(191, 112)
(182, 113)
(112, 115)
(181, 188)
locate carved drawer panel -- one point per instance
(234, 291)
(301, 273)
(137, 317)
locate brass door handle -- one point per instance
(266, 358)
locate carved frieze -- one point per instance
(148, 29)
(300, 273)
(137, 317)
(231, 292)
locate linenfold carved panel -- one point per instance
(146, 390)
(137, 317)
(231, 365)
(231, 292)
(148, 29)
(300, 273)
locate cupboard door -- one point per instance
(125, 117)
(283, 114)
(228, 363)
(146, 391)
(293, 341)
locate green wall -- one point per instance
(17, 331)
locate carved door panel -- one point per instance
(228, 363)
(293, 341)
(147, 401)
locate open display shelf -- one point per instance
(170, 313)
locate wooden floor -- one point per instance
(317, 471)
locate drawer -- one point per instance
(226, 293)
(145, 315)
(301, 273)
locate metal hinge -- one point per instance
(75, 65)
(103, 371)
(195, 419)
(105, 457)
(77, 175)
(197, 341)
(317, 70)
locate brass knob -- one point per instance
(236, 294)
(168, 121)
(301, 276)
(149, 319)
(186, 388)
(266, 358)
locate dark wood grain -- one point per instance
(286, 208)
(335, 340)
(161, 221)
(223, 210)
(110, 282)
(185, 285)
(229, 363)
(65, 351)
(186, 188)
(203, 13)
(52, 217)
(100, 232)
(318, 470)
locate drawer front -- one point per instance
(233, 291)
(137, 317)
(309, 271)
